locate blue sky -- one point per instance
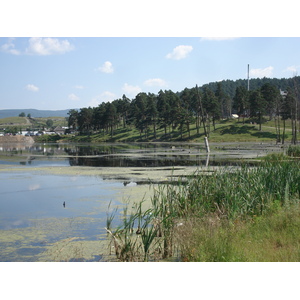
(62, 73)
(54, 55)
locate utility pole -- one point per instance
(248, 78)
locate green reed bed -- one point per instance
(293, 150)
(210, 217)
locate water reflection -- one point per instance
(130, 155)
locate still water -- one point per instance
(61, 217)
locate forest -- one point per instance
(266, 98)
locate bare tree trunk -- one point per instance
(283, 132)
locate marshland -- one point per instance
(149, 202)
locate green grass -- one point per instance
(272, 237)
(226, 131)
(13, 121)
(31, 123)
(244, 214)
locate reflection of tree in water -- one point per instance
(119, 161)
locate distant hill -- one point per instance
(35, 113)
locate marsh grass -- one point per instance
(230, 215)
(293, 150)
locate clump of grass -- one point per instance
(135, 243)
(293, 150)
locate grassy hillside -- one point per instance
(24, 123)
(226, 131)
(35, 113)
(13, 121)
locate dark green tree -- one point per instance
(140, 112)
(271, 94)
(85, 119)
(241, 101)
(152, 113)
(49, 123)
(73, 118)
(164, 110)
(211, 106)
(224, 101)
(257, 106)
(186, 113)
(111, 116)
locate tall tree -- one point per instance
(196, 106)
(212, 106)
(270, 94)
(224, 101)
(164, 109)
(152, 112)
(73, 118)
(140, 112)
(85, 118)
(186, 116)
(241, 101)
(257, 106)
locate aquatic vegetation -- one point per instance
(214, 207)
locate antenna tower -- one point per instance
(248, 77)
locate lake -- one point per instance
(54, 198)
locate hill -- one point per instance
(35, 113)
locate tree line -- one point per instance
(200, 107)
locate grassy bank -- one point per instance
(247, 214)
(225, 131)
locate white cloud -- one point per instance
(32, 88)
(107, 67)
(155, 82)
(218, 38)
(9, 47)
(79, 87)
(260, 73)
(104, 97)
(73, 97)
(131, 90)
(292, 69)
(179, 52)
(48, 46)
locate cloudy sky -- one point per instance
(55, 71)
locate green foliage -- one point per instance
(178, 114)
(212, 217)
(49, 123)
(48, 138)
(293, 151)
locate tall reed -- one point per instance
(227, 195)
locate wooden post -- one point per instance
(206, 145)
